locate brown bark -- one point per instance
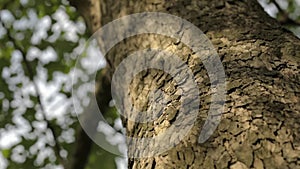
(260, 126)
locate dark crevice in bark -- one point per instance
(261, 62)
(153, 164)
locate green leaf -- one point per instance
(30, 114)
(27, 143)
(6, 153)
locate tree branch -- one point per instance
(90, 11)
(84, 142)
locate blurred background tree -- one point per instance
(38, 45)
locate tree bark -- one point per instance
(260, 126)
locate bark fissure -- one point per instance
(262, 62)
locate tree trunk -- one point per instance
(260, 125)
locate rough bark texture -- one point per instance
(260, 126)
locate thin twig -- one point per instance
(286, 20)
(57, 148)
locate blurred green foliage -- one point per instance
(36, 28)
